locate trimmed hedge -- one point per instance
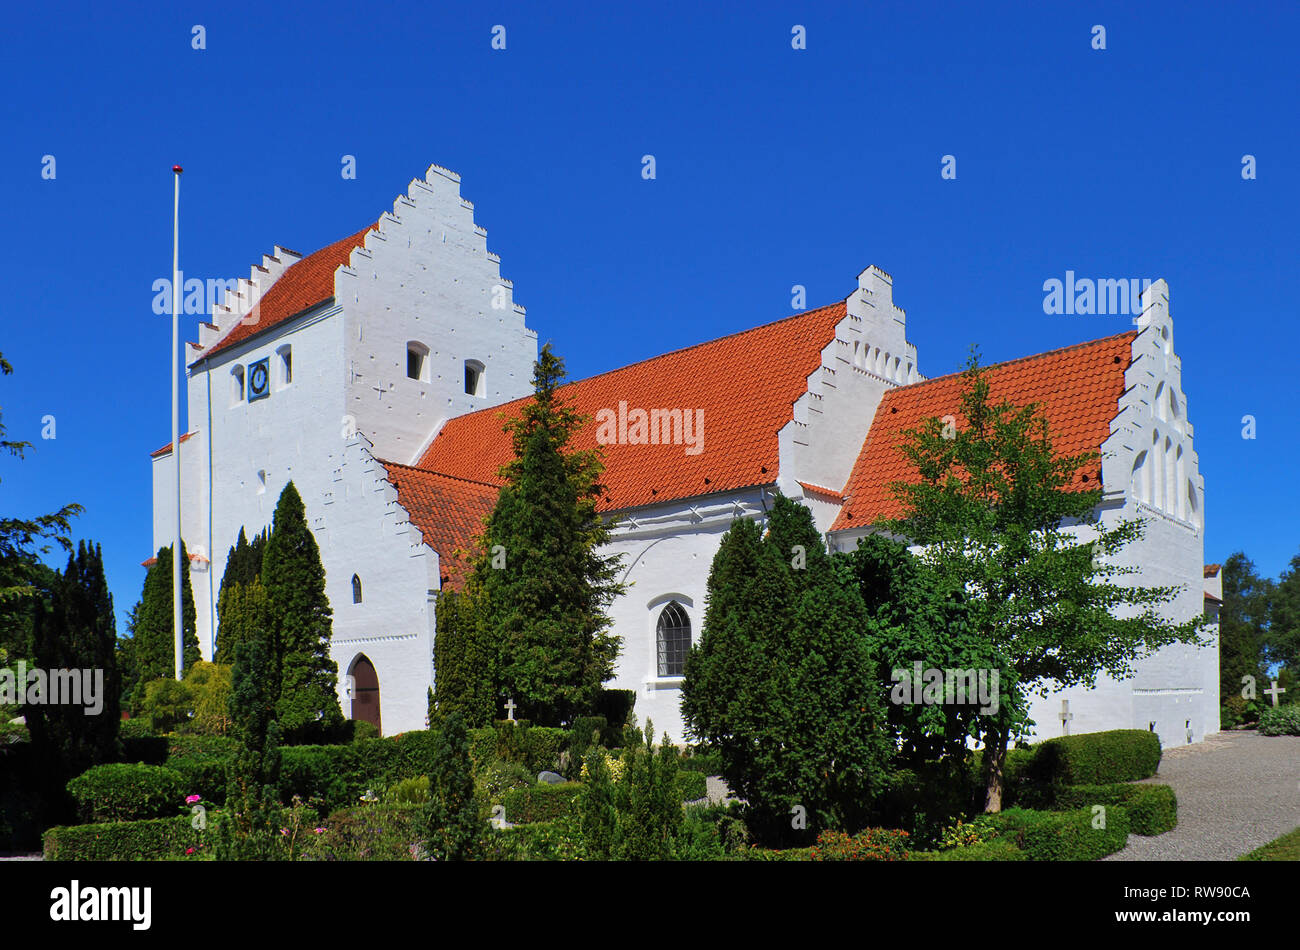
(123, 791)
(1063, 836)
(1280, 721)
(692, 785)
(999, 849)
(154, 839)
(536, 748)
(541, 802)
(201, 762)
(1096, 758)
(706, 763)
(1152, 809)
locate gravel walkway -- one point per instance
(1236, 791)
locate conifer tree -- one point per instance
(463, 659)
(242, 616)
(249, 825)
(454, 828)
(154, 633)
(544, 581)
(298, 620)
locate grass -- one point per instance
(1285, 848)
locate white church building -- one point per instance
(374, 374)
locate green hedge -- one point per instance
(706, 763)
(559, 839)
(536, 748)
(1096, 758)
(1063, 836)
(201, 762)
(123, 791)
(378, 832)
(1280, 721)
(541, 802)
(692, 785)
(1152, 809)
(999, 849)
(155, 839)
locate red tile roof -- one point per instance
(1212, 569)
(821, 490)
(448, 511)
(168, 447)
(1078, 388)
(303, 285)
(744, 384)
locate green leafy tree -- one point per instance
(454, 826)
(991, 505)
(464, 658)
(242, 615)
(1244, 628)
(299, 621)
(128, 663)
(248, 829)
(1282, 638)
(648, 802)
(545, 583)
(154, 633)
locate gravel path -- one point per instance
(1236, 791)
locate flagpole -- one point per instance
(176, 420)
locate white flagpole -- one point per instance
(176, 422)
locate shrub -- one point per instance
(409, 791)
(123, 791)
(1096, 758)
(706, 763)
(998, 849)
(24, 806)
(385, 832)
(872, 844)
(536, 748)
(540, 802)
(559, 839)
(135, 729)
(363, 730)
(495, 779)
(616, 706)
(1063, 836)
(151, 750)
(1280, 721)
(755, 853)
(155, 839)
(201, 761)
(692, 785)
(586, 733)
(965, 834)
(1152, 809)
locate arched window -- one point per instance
(236, 385)
(673, 632)
(356, 589)
(285, 368)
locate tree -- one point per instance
(784, 682)
(298, 624)
(1282, 641)
(128, 663)
(77, 632)
(155, 646)
(639, 816)
(1244, 628)
(545, 585)
(249, 825)
(463, 658)
(454, 828)
(1002, 526)
(242, 615)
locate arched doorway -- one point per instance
(365, 692)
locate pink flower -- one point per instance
(319, 831)
(191, 799)
(285, 832)
(189, 850)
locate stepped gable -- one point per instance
(745, 384)
(305, 284)
(448, 511)
(1078, 388)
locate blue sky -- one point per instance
(775, 167)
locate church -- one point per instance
(374, 374)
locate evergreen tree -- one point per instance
(298, 619)
(1244, 629)
(1282, 642)
(463, 659)
(250, 822)
(545, 585)
(154, 634)
(242, 616)
(128, 664)
(648, 802)
(454, 828)
(77, 632)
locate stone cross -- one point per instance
(1066, 716)
(510, 709)
(1273, 691)
(380, 390)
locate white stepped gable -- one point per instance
(236, 304)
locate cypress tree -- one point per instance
(545, 584)
(454, 829)
(298, 618)
(154, 632)
(242, 616)
(249, 826)
(463, 660)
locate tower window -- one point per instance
(356, 589)
(417, 361)
(474, 378)
(237, 385)
(286, 365)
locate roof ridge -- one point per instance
(1020, 359)
(649, 359)
(430, 471)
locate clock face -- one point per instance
(258, 380)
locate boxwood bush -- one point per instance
(1280, 721)
(1096, 758)
(1152, 809)
(1063, 835)
(999, 849)
(123, 791)
(540, 802)
(154, 839)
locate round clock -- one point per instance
(259, 379)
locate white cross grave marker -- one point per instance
(1066, 716)
(510, 709)
(1274, 690)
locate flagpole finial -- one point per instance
(177, 169)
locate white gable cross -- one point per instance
(1066, 716)
(1274, 690)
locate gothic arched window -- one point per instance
(673, 632)
(356, 589)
